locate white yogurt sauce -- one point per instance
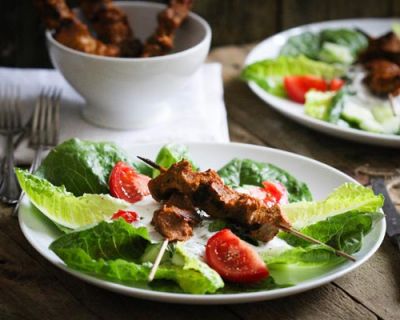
(196, 244)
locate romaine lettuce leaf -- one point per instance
(306, 43)
(352, 39)
(344, 232)
(62, 207)
(348, 197)
(318, 104)
(336, 53)
(240, 172)
(113, 251)
(269, 73)
(84, 166)
(300, 264)
(170, 154)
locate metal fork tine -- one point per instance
(18, 117)
(14, 102)
(49, 117)
(58, 115)
(35, 119)
(8, 110)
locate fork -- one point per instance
(45, 128)
(10, 125)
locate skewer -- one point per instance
(152, 164)
(166, 241)
(284, 228)
(312, 240)
(158, 260)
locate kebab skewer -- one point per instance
(71, 32)
(111, 26)
(169, 20)
(207, 191)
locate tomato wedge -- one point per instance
(271, 193)
(234, 259)
(128, 216)
(127, 184)
(276, 193)
(297, 86)
(336, 84)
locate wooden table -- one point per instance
(31, 288)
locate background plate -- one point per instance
(270, 48)
(320, 178)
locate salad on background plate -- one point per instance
(341, 76)
(108, 221)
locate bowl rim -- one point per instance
(122, 4)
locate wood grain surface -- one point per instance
(22, 42)
(31, 288)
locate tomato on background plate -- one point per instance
(234, 259)
(127, 184)
(336, 84)
(297, 86)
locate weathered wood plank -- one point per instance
(28, 291)
(234, 21)
(328, 303)
(295, 13)
(376, 283)
(238, 134)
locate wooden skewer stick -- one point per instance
(158, 260)
(166, 241)
(312, 240)
(284, 228)
(152, 164)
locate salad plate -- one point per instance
(320, 179)
(271, 48)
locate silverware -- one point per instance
(10, 126)
(391, 215)
(45, 128)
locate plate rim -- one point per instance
(319, 125)
(208, 299)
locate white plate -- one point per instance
(320, 178)
(270, 48)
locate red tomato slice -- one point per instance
(127, 184)
(128, 216)
(336, 84)
(272, 193)
(297, 86)
(276, 193)
(234, 259)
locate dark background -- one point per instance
(233, 22)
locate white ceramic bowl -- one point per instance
(129, 93)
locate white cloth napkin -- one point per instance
(201, 117)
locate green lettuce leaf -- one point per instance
(300, 264)
(318, 104)
(348, 197)
(190, 273)
(170, 154)
(352, 39)
(336, 53)
(344, 231)
(113, 251)
(240, 172)
(269, 73)
(62, 207)
(306, 43)
(84, 166)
